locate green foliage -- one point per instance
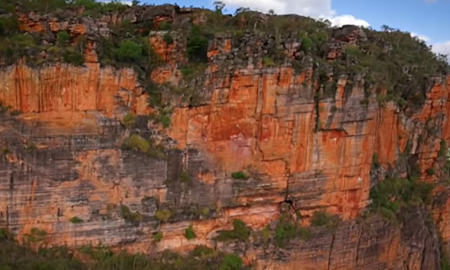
(168, 38)
(62, 38)
(4, 108)
(240, 232)
(15, 256)
(189, 233)
(375, 162)
(185, 178)
(5, 150)
(391, 194)
(202, 251)
(129, 51)
(268, 62)
(219, 6)
(157, 237)
(443, 148)
(265, 234)
(130, 216)
(164, 215)
(430, 171)
(9, 25)
(186, 72)
(76, 220)
(73, 57)
(165, 120)
(136, 142)
(197, 45)
(231, 262)
(323, 219)
(15, 112)
(164, 26)
(129, 120)
(239, 175)
(287, 230)
(36, 236)
(306, 44)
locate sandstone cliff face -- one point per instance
(65, 160)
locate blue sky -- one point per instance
(427, 19)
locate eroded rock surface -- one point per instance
(62, 156)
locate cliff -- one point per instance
(245, 134)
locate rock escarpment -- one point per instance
(251, 136)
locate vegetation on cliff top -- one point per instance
(392, 62)
(16, 256)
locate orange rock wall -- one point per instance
(263, 121)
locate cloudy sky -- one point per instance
(428, 19)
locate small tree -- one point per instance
(219, 6)
(129, 51)
(241, 10)
(63, 37)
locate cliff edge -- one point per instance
(284, 140)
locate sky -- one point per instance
(426, 19)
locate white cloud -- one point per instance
(437, 47)
(348, 19)
(422, 37)
(442, 47)
(125, 2)
(312, 8)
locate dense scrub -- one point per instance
(35, 255)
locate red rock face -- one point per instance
(263, 121)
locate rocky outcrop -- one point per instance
(62, 157)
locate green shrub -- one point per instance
(36, 236)
(76, 220)
(73, 57)
(164, 215)
(306, 44)
(168, 38)
(197, 46)
(391, 194)
(265, 234)
(323, 219)
(5, 235)
(15, 112)
(240, 232)
(189, 233)
(157, 237)
(9, 25)
(268, 62)
(430, 171)
(231, 262)
(129, 51)
(165, 120)
(100, 257)
(443, 149)
(202, 251)
(63, 38)
(186, 72)
(130, 216)
(185, 178)
(164, 26)
(375, 162)
(287, 230)
(239, 175)
(136, 142)
(129, 120)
